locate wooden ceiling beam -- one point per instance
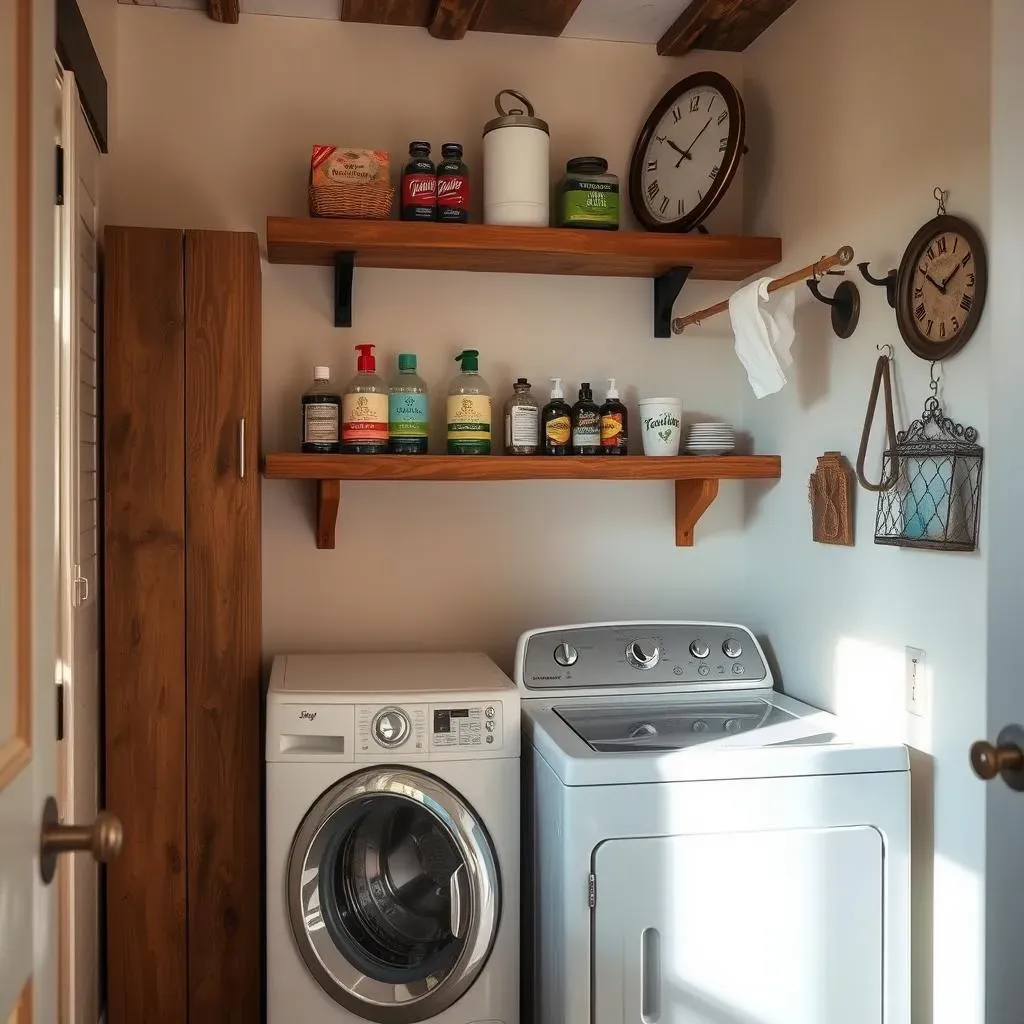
(223, 10)
(419, 13)
(524, 17)
(453, 18)
(720, 25)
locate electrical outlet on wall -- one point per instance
(917, 682)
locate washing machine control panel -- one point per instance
(469, 726)
(705, 655)
(415, 729)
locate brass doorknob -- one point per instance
(988, 761)
(103, 839)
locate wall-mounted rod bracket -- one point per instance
(344, 264)
(888, 282)
(667, 287)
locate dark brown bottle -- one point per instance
(452, 186)
(419, 184)
(586, 424)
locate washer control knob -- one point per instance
(700, 725)
(699, 649)
(732, 648)
(489, 712)
(643, 654)
(566, 655)
(733, 725)
(391, 727)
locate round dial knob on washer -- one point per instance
(732, 648)
(699, 726)
(733, 725)
(566, 655)
(643, 654)
(391, 727)
(699, 649)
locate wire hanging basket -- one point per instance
(935, 501)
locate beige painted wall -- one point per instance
(858, 110)
(215, 126)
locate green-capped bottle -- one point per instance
(407, 410)
(469, 408)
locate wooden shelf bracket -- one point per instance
(344, 265)
(693, 499)
(328, 501)
(667, 287)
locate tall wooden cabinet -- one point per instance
(182, 625)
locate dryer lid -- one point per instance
(676, 725)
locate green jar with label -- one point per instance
(588, 195)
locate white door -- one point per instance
(79, 576)
(27, 524)
(29, 393)
(740, 928)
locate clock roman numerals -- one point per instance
(723, 144)
(652, 190)
(713, 173)
(918, 293)
(652, 165)
(966, 302)
(695, 103)
(921, 312)
(664, 203)
(942, 328)
(680, 208)
(677, 115)
(723, 117)
(967, 259)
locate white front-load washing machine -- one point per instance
(703, 849)
(392, 840)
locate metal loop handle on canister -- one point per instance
(519, 96)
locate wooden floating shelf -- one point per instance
(668, 259)
(696, 477)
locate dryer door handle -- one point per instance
(459, 901)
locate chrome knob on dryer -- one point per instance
(732, 648)
(391, 727)
(699, 649)
(643, 654)
(566, 655)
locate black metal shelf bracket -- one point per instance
(344, 264)
(667, 287)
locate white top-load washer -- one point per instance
(393, 797)
(700, 848)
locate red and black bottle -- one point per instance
(419, 184)
(452, 185)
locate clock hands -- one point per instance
(939, 287)
(694, 143)
(956, 270)
(666, 139)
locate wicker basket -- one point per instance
(360, 202)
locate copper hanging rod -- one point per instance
(842, 258)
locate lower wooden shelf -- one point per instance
(696, 477)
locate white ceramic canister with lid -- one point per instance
(516, 166)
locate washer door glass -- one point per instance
(393, 894)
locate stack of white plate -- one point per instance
(710, 439)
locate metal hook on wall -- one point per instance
(845, 303)
(888, 282)
(887, 350)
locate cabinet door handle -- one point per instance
(241, 448)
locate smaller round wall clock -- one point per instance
(687, 153)
(941, 287)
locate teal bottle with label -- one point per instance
(407, 410)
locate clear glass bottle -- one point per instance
(522, 421)
(364, 408)
(469, 408)
(407, 410)
(321, 414)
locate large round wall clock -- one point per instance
(941, 287)
(687, 153)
